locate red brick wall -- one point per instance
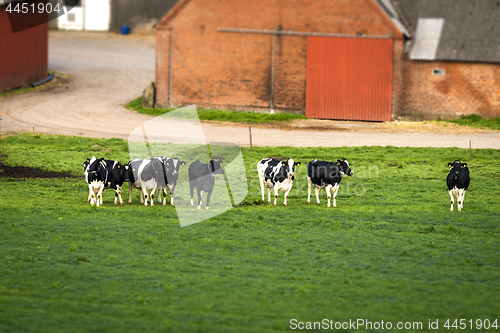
(464, 88)
(233, 70)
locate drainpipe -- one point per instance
(170, 66)
(271, 110)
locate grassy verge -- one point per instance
(390, 251)
(28, 88)
(222, 115)
(476, 121)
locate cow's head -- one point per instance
(215, 166)
(86, 164)
(344, 167)
(456, 166)
(171, 166)
(290, 168)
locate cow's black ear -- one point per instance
(449, 165)
(297, 163)
(338, 163)
(183, 163)
(464, 165)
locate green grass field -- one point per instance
(223, 115)
(390, 251)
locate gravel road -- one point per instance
(108, 70)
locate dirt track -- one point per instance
(107, 71)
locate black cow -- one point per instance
(171, 172)
(458, 181)
(277, 174)
(328, 175)
(101, 174)
(202, 177)
(146, 175)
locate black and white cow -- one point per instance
(171, 171)
(202, 178)
(101, 174)
(146, 175)
(276, 174)
(328, 175)
(458, 181)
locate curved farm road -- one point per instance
(107, 71)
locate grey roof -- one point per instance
(471, 29)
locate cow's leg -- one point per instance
(209, 194)
(191, 191)
(91, 197)
(268, 195)
(130, 192)
(452, 199)
(171, 196)
(276, 189)
(142, 197)
(99, 195)
(164, 193)
(335, 190)
(328, 195)
(316, 191)
(262, 186)
(309, 185)
(286, 195)
(200, 192)
(119, 192)
(144, 192)
(460, 199)
(463, 199)
(152, 197)
(160, 191)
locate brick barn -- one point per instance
(452, 65)
(24, 54)
(273, 62)
(367, 60)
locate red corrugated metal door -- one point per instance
(349, 78)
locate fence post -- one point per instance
(250, 134)
(470, 150)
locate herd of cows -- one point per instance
(161, 173)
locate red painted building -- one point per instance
(282, 55)
(368, 60)
(24, 54)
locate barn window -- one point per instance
(438, 71)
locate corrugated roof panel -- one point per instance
(471, 30)
(427, 38)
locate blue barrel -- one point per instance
(125, 29)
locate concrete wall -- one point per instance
(460, 89)
(233, 70)
(139, 15)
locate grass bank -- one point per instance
(390, 251)
(222, 115)
(475, 121)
